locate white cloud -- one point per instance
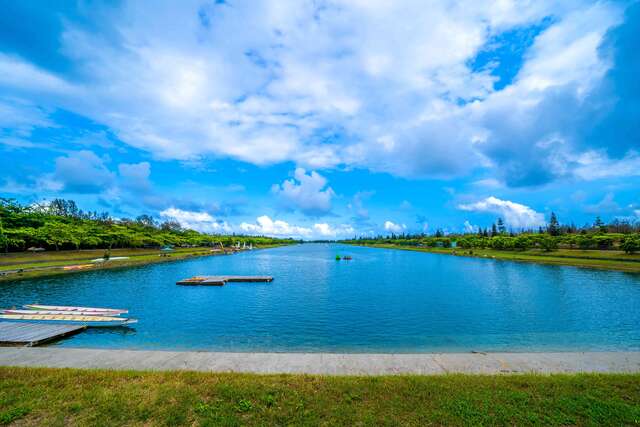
(325, 230)
(470, 228)
(568, 51)
(488, 183)
(82, 172)
(199, 221)
(358, 207)
(18, 74)
(135, 176)
(593, 165)
(530, 130)
(393, 227)
(21, 117)
(264, 225)
(607, 205)
(403, 98)
(514, 214)
(308, 194)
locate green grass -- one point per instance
(606, 260)
(50, 263)
(14, 258)
(30, 396)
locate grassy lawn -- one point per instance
(15, 258)
(50, 263)
(72, 397)
(608, 260)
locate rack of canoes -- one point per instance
(58, 314)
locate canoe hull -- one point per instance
(90, 321)
(70, 309)
(59, 312)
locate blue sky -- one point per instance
(324, 119)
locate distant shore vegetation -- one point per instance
(60, 224)
(617, 235)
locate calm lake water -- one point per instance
(381, 301)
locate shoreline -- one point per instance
(325, 363)
(7, 275)
(550, 258)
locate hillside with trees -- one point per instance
(60, 224)
(618, 235)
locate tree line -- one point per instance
(619, 234)
(60, 224)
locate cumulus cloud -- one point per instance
(135, 176)
(199, 221)
(592, 165)
(341, 82)
(393, 227)
(514, 214)
(324, 230)
(534, 129)
(82, 172)
(306, 192)
(266, 226)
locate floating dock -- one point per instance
(221, 280)
(32, 334)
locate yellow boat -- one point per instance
(97, 321)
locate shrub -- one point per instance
(522, 243)
(549, 244)
(630, 244)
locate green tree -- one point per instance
(501, 227)
(630, 244)
(522, 243)
(549, 244)
(554, 225)
(599, 225)
(146, 221)
(56, 234)
(4, 240)
(585, 241)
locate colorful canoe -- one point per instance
(105, 311)
(73, 319)
(61, 312)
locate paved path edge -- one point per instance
(323, 363)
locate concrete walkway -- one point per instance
(324, 363)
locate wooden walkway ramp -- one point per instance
(221, 280)
(31, 334)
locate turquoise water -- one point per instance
(381, 301)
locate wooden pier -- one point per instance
(221, 280)
(32, 334)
